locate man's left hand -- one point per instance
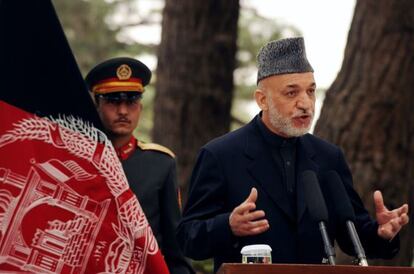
(390, 221)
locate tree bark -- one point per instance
(194, 86)
(368, 108)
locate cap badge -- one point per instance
(123, 72)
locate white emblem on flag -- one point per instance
(68, 244)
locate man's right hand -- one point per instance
(244, 219)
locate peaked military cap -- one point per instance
(282, 57)
(118, 75)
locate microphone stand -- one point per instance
(329, 250)
(359, 250)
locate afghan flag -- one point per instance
(65, 203)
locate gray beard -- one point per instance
(284, 124)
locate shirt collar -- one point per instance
(271, 137)
(126, 150)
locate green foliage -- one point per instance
(90, 37)
(95, 31)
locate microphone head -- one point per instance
(313, 196)
(341, 202)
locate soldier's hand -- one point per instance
(390, 221)
(245, 220)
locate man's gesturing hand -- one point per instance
(244, 218)
(390, 221)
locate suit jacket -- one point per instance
(152, 177)
(226, 170)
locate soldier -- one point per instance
(117, 86)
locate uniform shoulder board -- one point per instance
(157, 147)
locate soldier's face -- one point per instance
(119, 118)
(288, 103)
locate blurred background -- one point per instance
(202, 54)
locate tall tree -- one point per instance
(368, 108)
(196, 59)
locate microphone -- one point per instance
(317, 209)
(345, 211)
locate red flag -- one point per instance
(65, 204)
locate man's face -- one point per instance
(287, 102)
(119, 117)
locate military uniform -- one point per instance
(151, 173)
(149, 168)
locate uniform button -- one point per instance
(288, 163)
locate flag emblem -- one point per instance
(65, 204)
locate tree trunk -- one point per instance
(194, 87)
(368, 108)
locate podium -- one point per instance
(310, 269)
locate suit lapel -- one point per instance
(262, 168)
(305, 155)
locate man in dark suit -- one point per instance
(245, 189)
(117, 86)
